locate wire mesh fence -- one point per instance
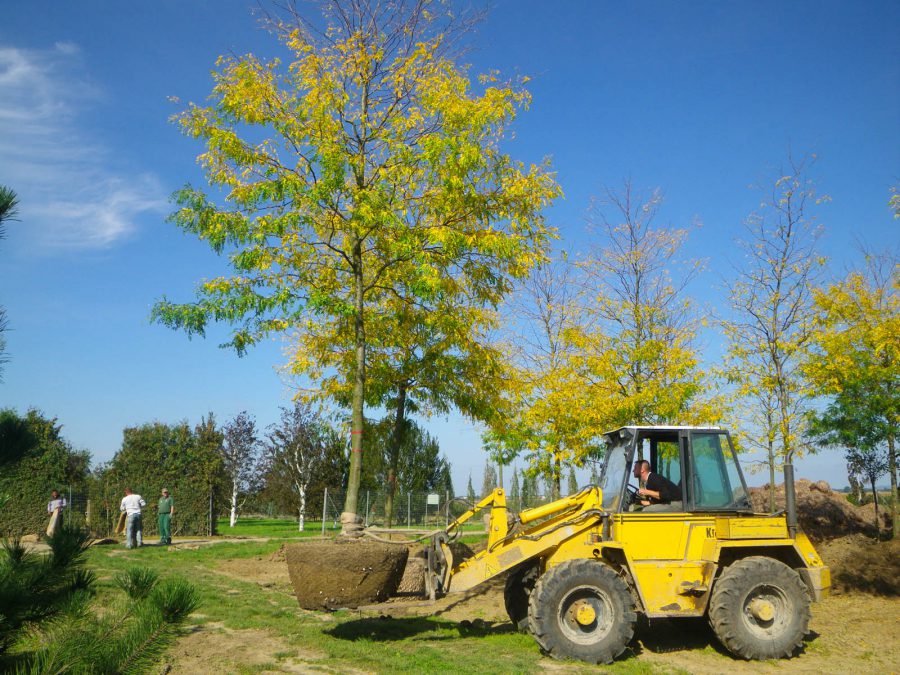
(405, 510)
(409, 510)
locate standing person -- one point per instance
(54, 508)
(131, 505)
(166, 511)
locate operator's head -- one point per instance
(641, 469)
(54, 494)
(127, 491)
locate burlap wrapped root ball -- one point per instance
(344, 573)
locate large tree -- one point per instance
(369, 164)
(772, 316)
(853, 358)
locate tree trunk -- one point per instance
(875, 499)
(892, 470)
(234, 505)
(856, 486)
(302, 518)
(557, 470)
(394, 454)
(771, 476)
(349, 517)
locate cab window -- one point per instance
(668, 461)
(716, 482)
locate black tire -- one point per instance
(759, 609)
(519, 585)
(581, 609)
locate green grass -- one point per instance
(254, 526)
(347, 639)
(251, 526)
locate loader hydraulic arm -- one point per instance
(536, 531)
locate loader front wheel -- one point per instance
(759, 609)
(581, 609)
(519, 585)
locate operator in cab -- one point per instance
(659, 493)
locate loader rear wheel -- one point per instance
(519, 585)
(759, 609)
(581, 609)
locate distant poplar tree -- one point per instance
(490, 479)
(515, 496)
(573, 481)
(470, 491)
(529, 490)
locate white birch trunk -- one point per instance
(302, 505)
(234, 504)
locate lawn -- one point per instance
(286, 528)
(235, 611)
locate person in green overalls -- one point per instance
(166, 509)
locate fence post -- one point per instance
(367, 508)
(447, 508)
(408, 510)
(324, 510)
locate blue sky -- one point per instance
(701, 99)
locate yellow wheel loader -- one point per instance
(579, 570)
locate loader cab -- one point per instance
(700, 460)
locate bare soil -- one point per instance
(212, 648)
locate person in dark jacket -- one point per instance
(660, 493)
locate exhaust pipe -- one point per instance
(790, 498)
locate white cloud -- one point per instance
(71, 194)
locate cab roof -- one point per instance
(631, 429)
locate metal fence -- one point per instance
(411, 510)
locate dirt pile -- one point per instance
(823, 513)
(335, 574)
(859, 563)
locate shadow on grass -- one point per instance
(388, 628)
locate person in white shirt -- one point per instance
(131, 505)
(54, 508)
